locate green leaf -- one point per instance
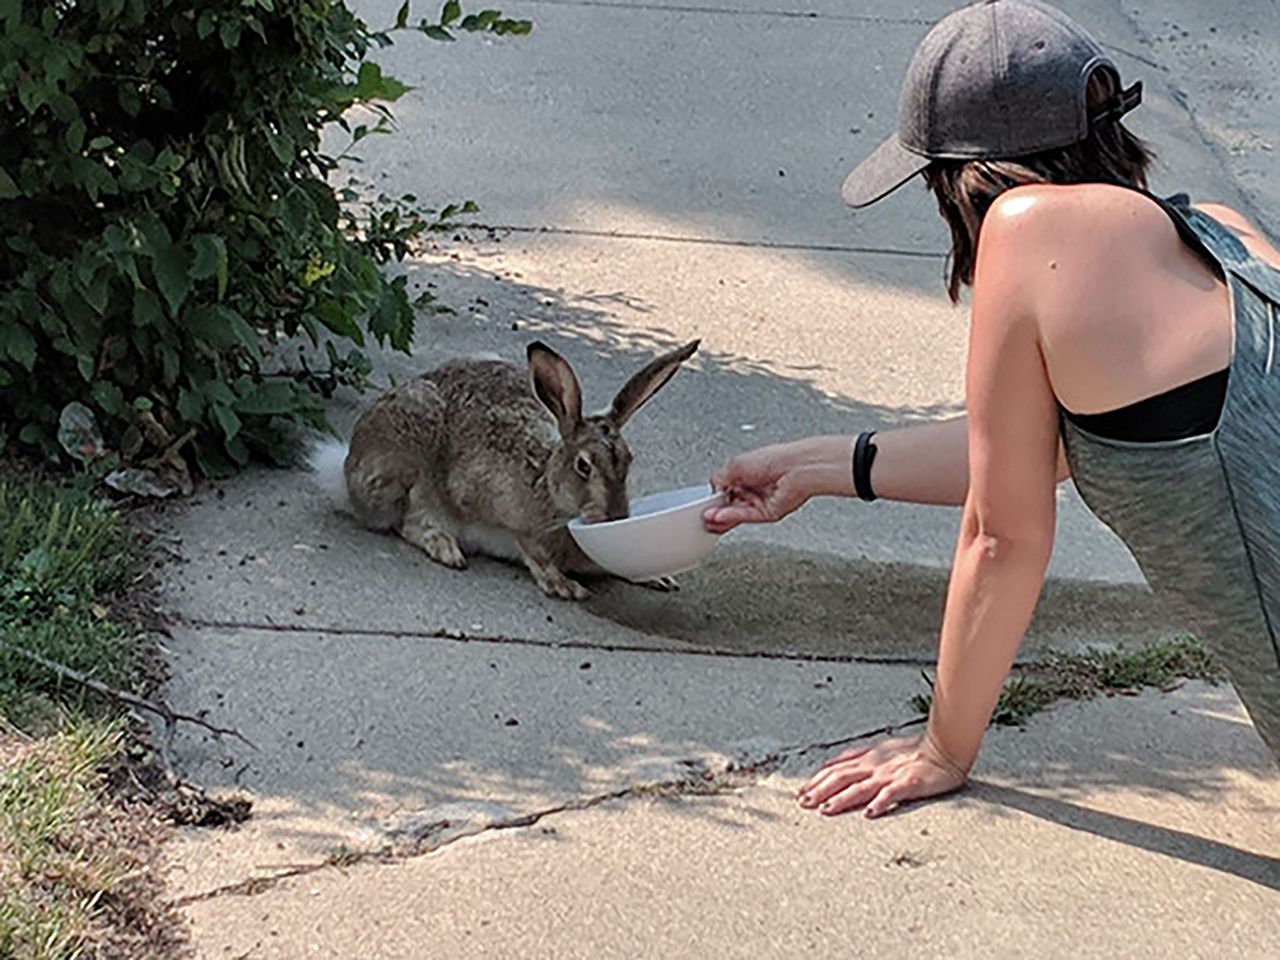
(436, 32)
(8, 189)
(75, 135)
(190, 405)
(227, 421)
(484, 20)
(34, 434)
(238, 450)
(368, 80)
(18, 345)
(281, 146)
(339, 319)
(100, 143)
(223, 328)
(229, 34)
(85, 365)
(212, 459)
(170, 364)
(215, 391)
(270, 398)
(130, 99)
(210, 259)
(172, 267)
(147, 311)
(392, 89)
(372, 85)
(451, 12)
(97, 291)
(393, 320)
(109, 398)
(206, 25)
(403, 16)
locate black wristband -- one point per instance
(864, 454)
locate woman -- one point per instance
(1122, 340)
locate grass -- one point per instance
(1083, 676)
(75, 877)
(65, 557)
(51, 880)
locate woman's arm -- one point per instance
(1007, 530)
(927, 464)
(1003, 549)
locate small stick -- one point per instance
(170, 716)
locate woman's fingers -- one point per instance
(911, 783)
(741, 506)
(830, 781)
(851, 797)
(730, 475)
(725, 518)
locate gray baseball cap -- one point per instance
(998, 79)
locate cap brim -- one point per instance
(883, 172)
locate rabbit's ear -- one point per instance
(637, 391)
(556, 385)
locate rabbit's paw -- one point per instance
(562, 588)
(436, 544)
(547, 574)
(660, 584)
(554, 583)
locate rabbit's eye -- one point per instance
(583, 466)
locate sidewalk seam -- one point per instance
(704, 241)
(454, 636)
(734, 12)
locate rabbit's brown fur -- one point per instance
(470, 445)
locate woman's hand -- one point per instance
(765, 485)
(880, 777)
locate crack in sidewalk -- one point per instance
(439, 834)
(458, 636)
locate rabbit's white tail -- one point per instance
(326, 459)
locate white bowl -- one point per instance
(663, 536)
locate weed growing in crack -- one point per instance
(1083, 676)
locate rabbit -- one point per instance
(486, 454)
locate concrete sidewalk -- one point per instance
(450, 764)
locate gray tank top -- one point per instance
(1202, 515)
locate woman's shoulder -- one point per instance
(1039, 218)
(1061, 210)
(1087, 234)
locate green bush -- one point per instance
(166, 216)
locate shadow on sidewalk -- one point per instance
(1177, 844)
(322, 641)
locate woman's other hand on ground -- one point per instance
(765, 485)
(880, 777)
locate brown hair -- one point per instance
(966, 189)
